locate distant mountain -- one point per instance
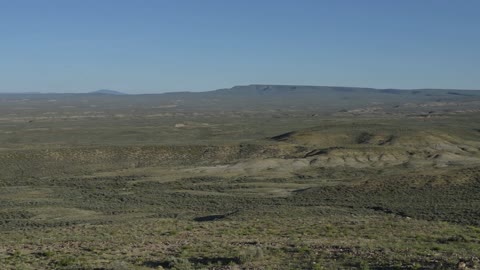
(107, 92)
(306, 90)
(272, 90)
(296, 91)
(277, 97)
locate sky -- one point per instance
(153, 46)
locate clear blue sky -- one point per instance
(141, 46)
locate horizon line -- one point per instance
(121, 92)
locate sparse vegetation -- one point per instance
(266, 189)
